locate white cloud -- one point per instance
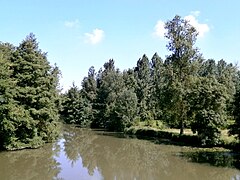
(72, 24)
(200, 27)
(159, 29)
(95, 37)
(195, 13)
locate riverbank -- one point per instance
(172, 136)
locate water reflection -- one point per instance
(71, 161)
(104, 156)
(85, 154)
(30, 164)
(219, 159)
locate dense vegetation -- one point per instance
(182, 91)
(28, 96)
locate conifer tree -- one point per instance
(7, 104)
(143, 88)
(33, 119)
(88, 94)
(156, 102)
(71, 106)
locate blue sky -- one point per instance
(80, 33)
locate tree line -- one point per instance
(183, 91)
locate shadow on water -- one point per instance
(218, 159)
(155, 140)
(203, 156)
(166, 138)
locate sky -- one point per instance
(78, 34)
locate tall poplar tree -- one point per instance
(181, 39)
(156, 101)
(143, 88)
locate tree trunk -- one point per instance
(181, 128)
(182, 120)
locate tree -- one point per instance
(16, 125)
(156, 101)
(32, 112)
(208, 68)
(143, 88)
(89, 93)
(7, 103)
(235, 127)
(208, 108)
(130, 79)
(107, 87)
(114, 102)
(182, 37)
(226, 74)
(71, 105)
(123, 111)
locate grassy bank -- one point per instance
(166, 135)
(172, 136)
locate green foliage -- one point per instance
(235, 127)
(143, 87)
(70, 105)
(179, 66)
(109, 83)
(29, 95)
(88, 94)
(75, 109)
(123, 111)
(157, 81)
(116, 105)
(208, 107)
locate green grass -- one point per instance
(227, 139)
(155, 128)
(165, 135)
(155, 124)
(186, 131)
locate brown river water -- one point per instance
(83, 154)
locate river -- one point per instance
(83, 154)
